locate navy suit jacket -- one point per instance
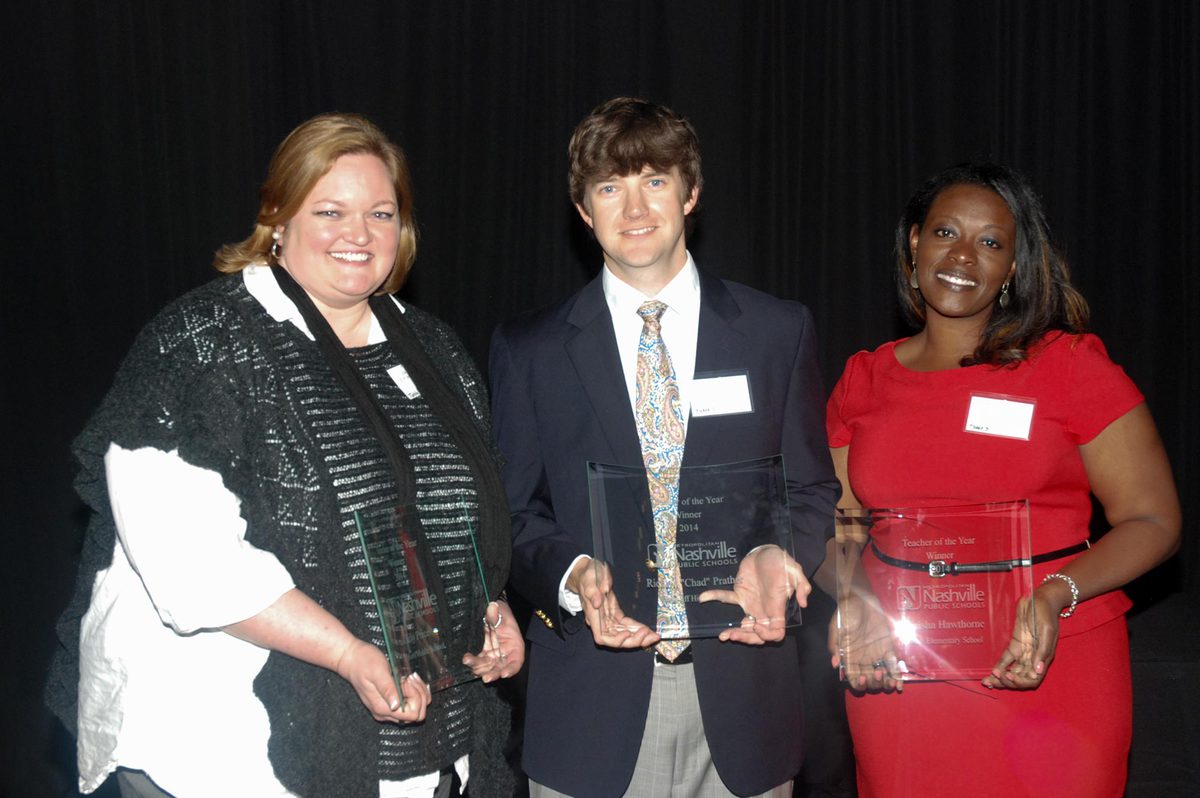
(559, 400)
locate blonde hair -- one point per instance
(303, 158)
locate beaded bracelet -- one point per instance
(1069, 611)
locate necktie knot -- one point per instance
(651, 313)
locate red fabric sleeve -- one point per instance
(1101, 390)
(836, 428)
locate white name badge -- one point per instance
(1003, 416)
(720, 396)
(404, 382)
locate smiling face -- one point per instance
(341, 245)
(964, 252)
(639, 221)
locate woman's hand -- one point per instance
(503, 651)
(861, 646)
(1023, 664)
(299, 627)
(367, 670)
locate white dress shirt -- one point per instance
(680, 326)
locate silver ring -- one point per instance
(751, 618)
(879, 665)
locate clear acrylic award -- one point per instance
(930, 593)
(724, 512)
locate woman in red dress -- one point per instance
(998, 317)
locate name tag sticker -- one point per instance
(403, 381)
(721, 395)
(999, 415)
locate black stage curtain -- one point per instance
(137, 133)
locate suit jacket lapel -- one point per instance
(592, 348)
(719, 347)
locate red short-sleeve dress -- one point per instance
(909, 447)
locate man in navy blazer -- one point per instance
(606, 715)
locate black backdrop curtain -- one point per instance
(136, 134)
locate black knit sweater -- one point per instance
(232, 390)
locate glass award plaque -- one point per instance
(415, 612)
(724, 512)
(930, 593)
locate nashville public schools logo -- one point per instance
(940, 597)
(695, 554)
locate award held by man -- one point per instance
(414, 609)
(930, 593)
(722, 513)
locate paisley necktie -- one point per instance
(660, 428)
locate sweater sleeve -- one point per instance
(187, 385)
(172, 431)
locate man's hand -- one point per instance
(767, 577)
(591, 580)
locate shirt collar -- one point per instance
(681, 295)
(261, 283)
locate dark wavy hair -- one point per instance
(1041, 297)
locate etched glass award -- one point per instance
(723, 513)
(415, 613)
(930, 593)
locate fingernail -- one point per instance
(395, 704)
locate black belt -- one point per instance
(940, 568)
(684, 657)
